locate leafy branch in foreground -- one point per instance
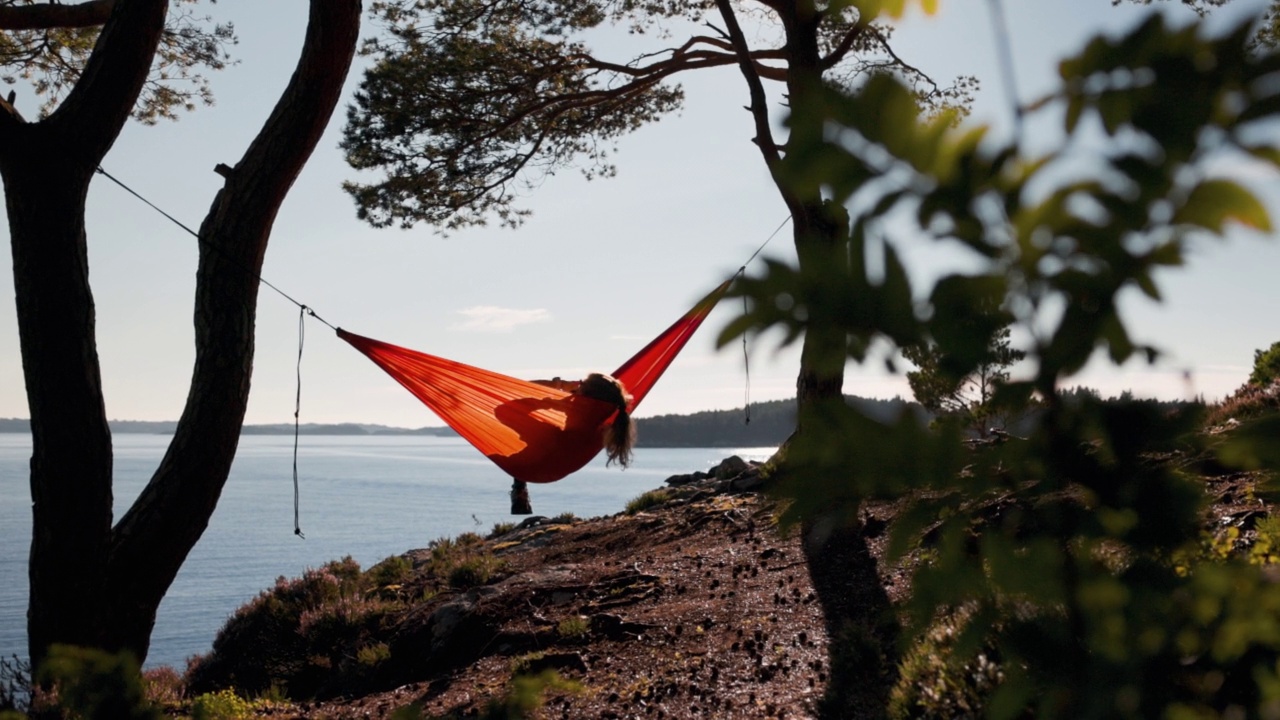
(1058, 548)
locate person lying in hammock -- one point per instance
(618, 438)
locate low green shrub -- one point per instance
(394, 570)
(373, 655)
(647, 500)
(221, 705)
(574, 627)
(474, 571)
(500, 529)
(938, 681)
(95, 684)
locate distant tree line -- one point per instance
(771, 423)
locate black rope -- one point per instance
(297, 414)
(212, 246)
(303, 312)
(776, 230)
(746, 361)
(746, 365)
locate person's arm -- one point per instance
(559, 384)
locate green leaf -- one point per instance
(1214, 202)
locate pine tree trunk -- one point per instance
(821, 237)
(47, 167)
(71, 445)
(92, 584)
(861, 628)
(155, 536)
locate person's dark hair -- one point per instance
(620, 436)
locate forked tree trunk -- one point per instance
(92, 584)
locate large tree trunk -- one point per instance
(90, 584)
(71, 453)
(46, 168)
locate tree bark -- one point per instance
(93, 585)
(48, 16)
(861, 628)
(154, 537)
(46, 167)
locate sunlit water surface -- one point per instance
(364, 496)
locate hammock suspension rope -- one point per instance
(642, 371)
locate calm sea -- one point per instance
(367, 497)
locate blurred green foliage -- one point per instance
(523, 698)
(95, 684)
(1059, 548)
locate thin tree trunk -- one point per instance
(822, 238)
(856, 609)
(155, 536)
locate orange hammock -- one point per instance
(533, 432)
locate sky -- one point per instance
(599, 269)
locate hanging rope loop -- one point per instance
(303, 311)
(746, 360)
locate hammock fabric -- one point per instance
(533, 432)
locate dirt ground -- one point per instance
(700, 608)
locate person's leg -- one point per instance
(520, 504)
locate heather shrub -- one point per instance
(162, 686)
(1246, 403)
(298, 637)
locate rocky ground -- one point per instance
(697, 607)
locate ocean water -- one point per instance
(364, 496)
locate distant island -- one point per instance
(770, 424)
